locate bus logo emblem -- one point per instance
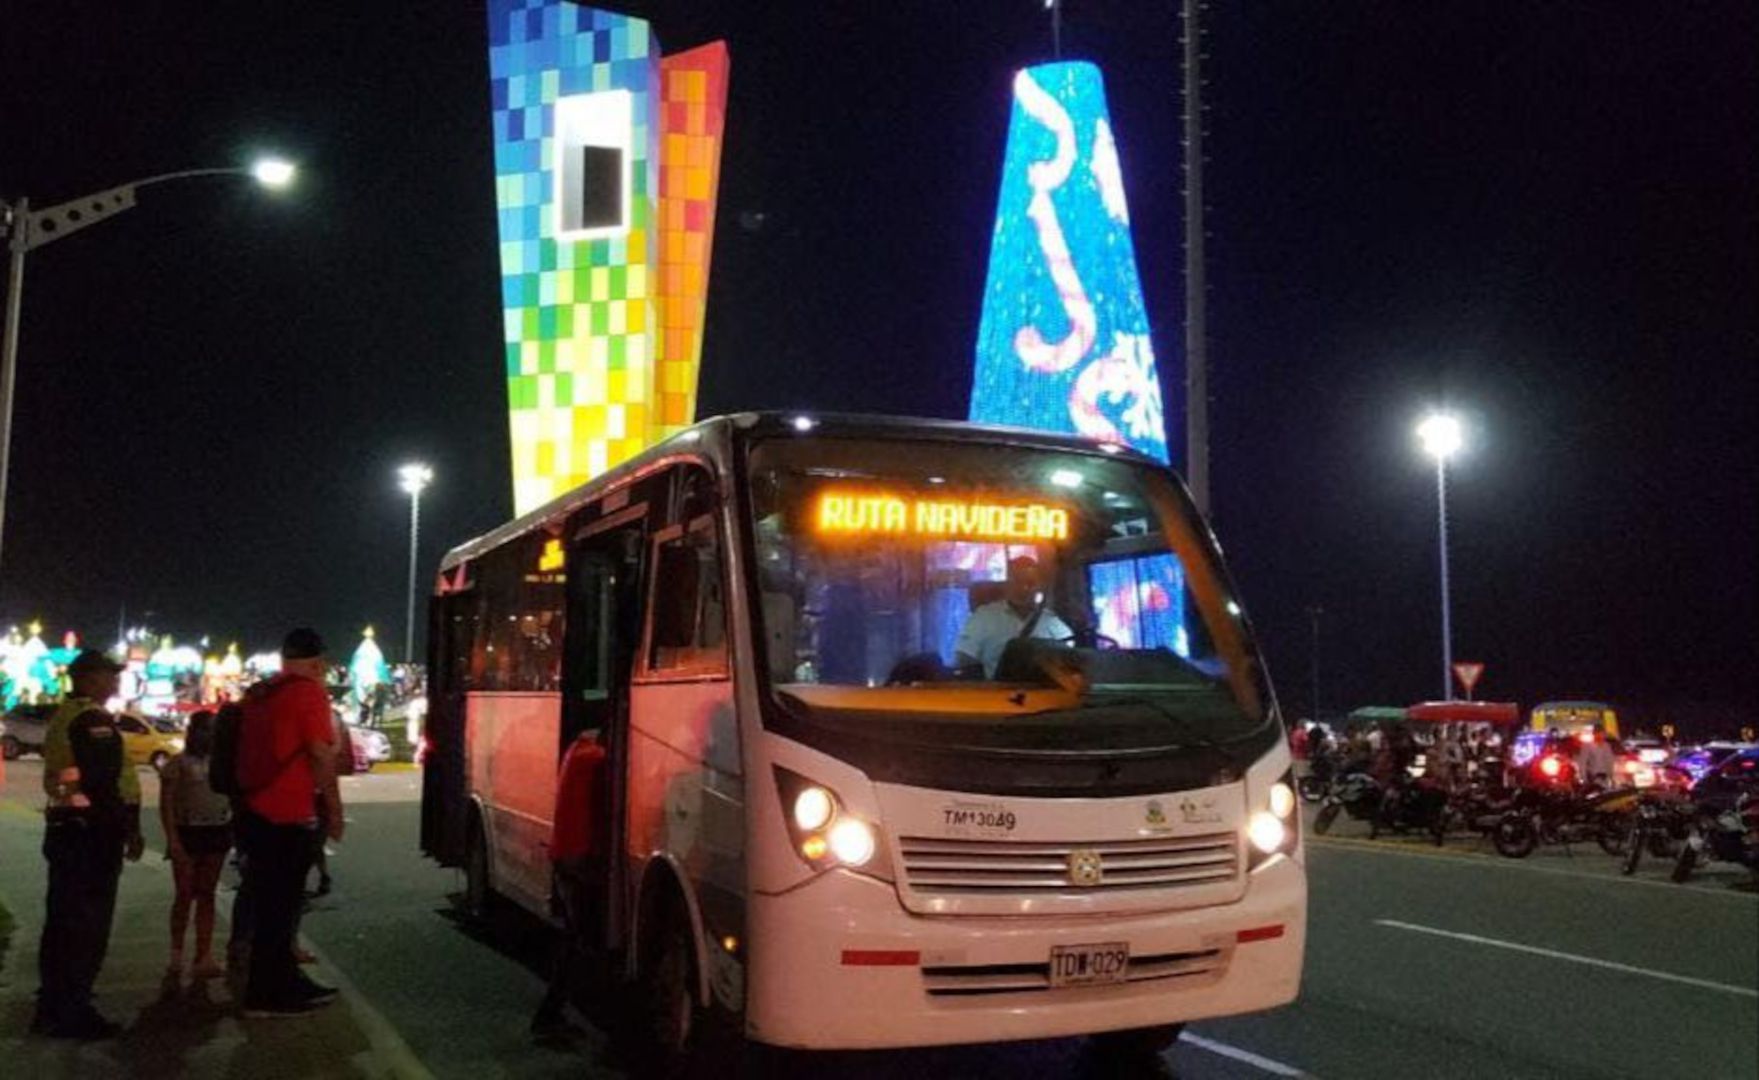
(1084, 867)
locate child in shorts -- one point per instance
(198, 834)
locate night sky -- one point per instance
(1542, 214)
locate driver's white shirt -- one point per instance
(993, 625)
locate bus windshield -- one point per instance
(1001, 598)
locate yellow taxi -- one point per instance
(147, 742)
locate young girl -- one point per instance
(198, 834)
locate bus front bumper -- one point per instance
(839, 964)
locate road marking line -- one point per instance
(1610, 965)
(384, 1038)
(1497, 862)
(1275, 1068)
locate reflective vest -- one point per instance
(84, 761)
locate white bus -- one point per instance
(918, 733)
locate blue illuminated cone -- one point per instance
(1064, 341)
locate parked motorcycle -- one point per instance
(1556, 814)
(1720, 831)
(1662, 821)
(1355, 793)
(1409, 805)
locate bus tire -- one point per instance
(669, 1021)
(479, 889)
(1137, 1043)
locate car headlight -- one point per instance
(1274, 828)
(825, 834)
(175, 744)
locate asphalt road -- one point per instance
(1449, 964)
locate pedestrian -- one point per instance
(92, 823)
(198, 835)
(286, 752)
(577, 865)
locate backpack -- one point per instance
(223, 756)
(242, 760)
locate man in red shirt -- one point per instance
(286, 753)
(577, 858)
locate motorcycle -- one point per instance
(1660, 824)
(1554, 814)
(1322, 769)
(1355, 793)
(1412, 806)
(1720, 831)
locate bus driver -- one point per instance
(1018, 614)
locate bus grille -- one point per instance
(987, 867)
(964, 981)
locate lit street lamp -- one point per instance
(412, 478)
(27, 229)
(1442, 438)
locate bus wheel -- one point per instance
(669, 1021)
(479, 892)
(1137, 1043)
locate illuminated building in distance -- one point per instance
(607, 162)
(1064, 344)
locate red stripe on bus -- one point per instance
(1259, 933)
(881, 958)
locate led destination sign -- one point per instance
(864, 513)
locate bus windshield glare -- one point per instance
(1012, 598)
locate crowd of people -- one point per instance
(1453, 754)
(259, 776)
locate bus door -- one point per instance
(604, 583)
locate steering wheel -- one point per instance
(1087, 637)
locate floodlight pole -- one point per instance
(414, 540)
(1196, 348)
(1447, 631)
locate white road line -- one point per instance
(1372, 847)
(1687, 980)
(1275, 1068)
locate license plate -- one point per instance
(1089, 965)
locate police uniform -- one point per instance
(93, 813)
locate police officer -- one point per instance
(93, 822)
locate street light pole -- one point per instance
(413, 478)
(27, 230)
(1442, 437)
(1447, 621)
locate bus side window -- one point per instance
(689, 635)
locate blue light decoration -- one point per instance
(1140, 602)
(1064, 340)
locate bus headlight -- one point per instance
(1275, 828)
(852, 842)
(824, 832)
(813, 808)
(1266, 831)
(1282, 800)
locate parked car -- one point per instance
(370, 747)
(147, 744)
(22, 731)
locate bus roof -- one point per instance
(716, 434)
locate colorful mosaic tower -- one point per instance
(607, 161)
(1064, 340)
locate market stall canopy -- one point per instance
(1377, 714)
(1503, 713)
